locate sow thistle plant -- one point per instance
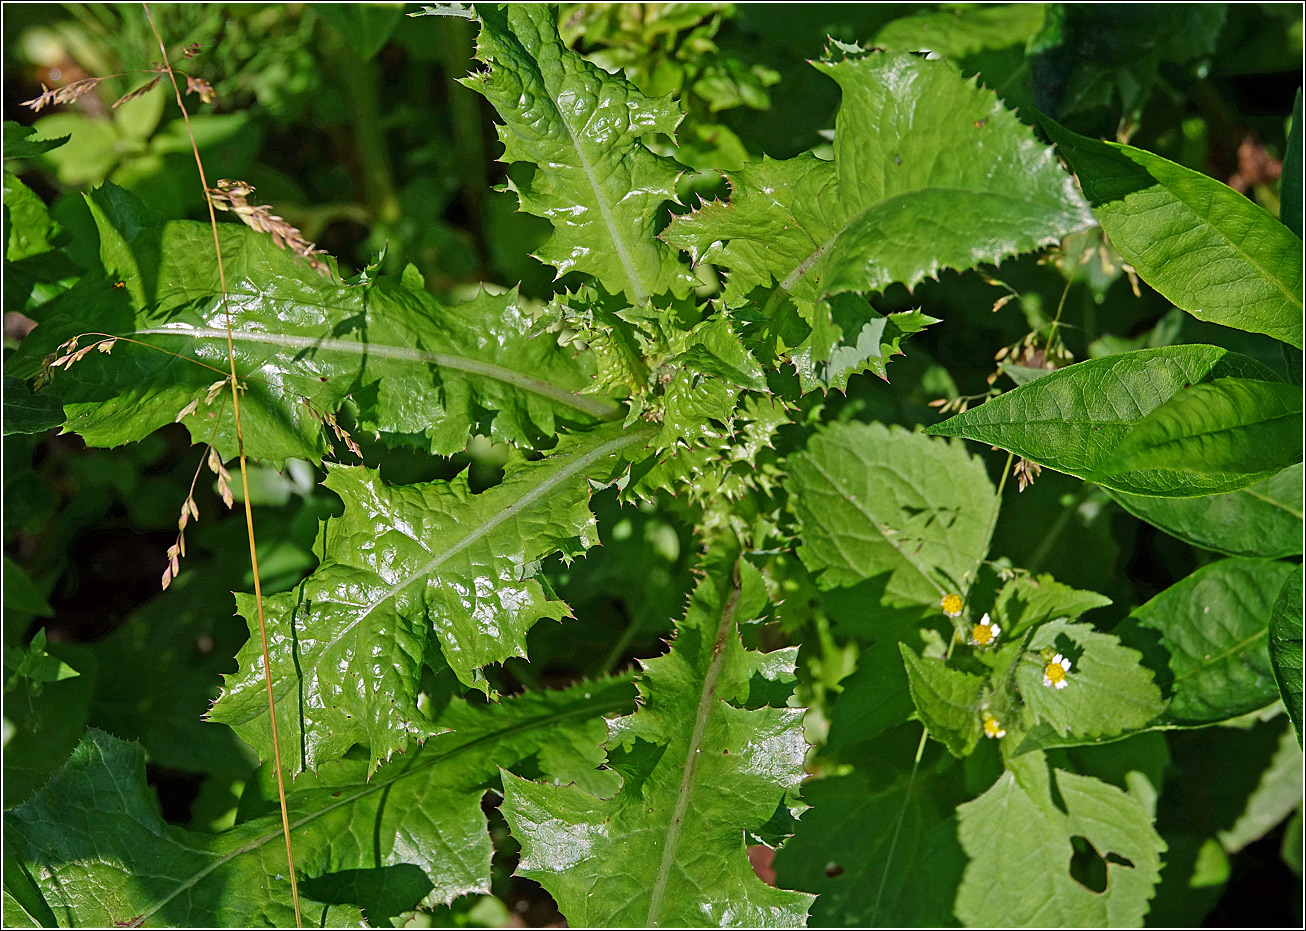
(634, 797)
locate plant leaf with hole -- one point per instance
(410, 364)
(1208, 249)
(1018, 836)
(1178, 421)
(581, 129)
(711, 754)
(404, 570)
(1215, 626)
(874, 500)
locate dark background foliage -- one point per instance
(355, 128)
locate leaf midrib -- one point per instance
(378, 785)
(592, 406)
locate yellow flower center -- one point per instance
(982, 634)
(952, 605)
(1055, 673)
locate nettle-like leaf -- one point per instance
(947, 701)
(1286, 647)
(1019, 836)
(711, 754)
(1178, 421)
(1263, 519)
(906, 196)
(99, 853)
(876, 501)
(1215, 626)
(1207, 248)
(581, 129)
(303, 344)
(1029, 600)
(407, 570)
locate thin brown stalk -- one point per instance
(244, 471)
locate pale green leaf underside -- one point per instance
(1019, 842)
(1264, 519)
(405, 570)
(876, 501)
(1178, 421)
(412, 365)
(706, 758)
(1214, 624)
(1207, 248)
(581, 128)
(100, 854)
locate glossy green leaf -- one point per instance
(1178, 421)
(407, 570)
(1018, 835)
(581, 129)
(100, 853)
(1286, 647)
(877, 856)
(29, 412)
(905, 197)
(1264, 519)
(1109, 691)
(1214, 625)
(303, 344)
(947, 701)
(711, 754)
(1208, 249)
(873, 500)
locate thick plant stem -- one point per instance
(244, 470)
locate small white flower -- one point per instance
(993, 727)
(1054, 674)
(952, 605)
(985, 633)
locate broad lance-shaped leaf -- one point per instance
(97, 849)
(1178, 421)
(711, 754)
(1263, 519)
(1207, 248)
(879, 501)
(1018, 835)
(303, 344)
(1286, 647)
(930, 171)
(406, 570)
(581, 129)
(1215, 626)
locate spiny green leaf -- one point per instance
(1263, 519)
(1208, 249)
(1109, 691)
(303, 344)
(947, 701)
(1215, 625)
(1019, 841)
(874, 500)
(1286, 647)
(1177, 421)
(18, 141)
(905, 197)
(100, 853)
(404, 569)
(708, 756)
(581, 129)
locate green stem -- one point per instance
(363, 84)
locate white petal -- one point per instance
(1058, 659)
(996, 630)
(1062, 684)
(985, 618)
